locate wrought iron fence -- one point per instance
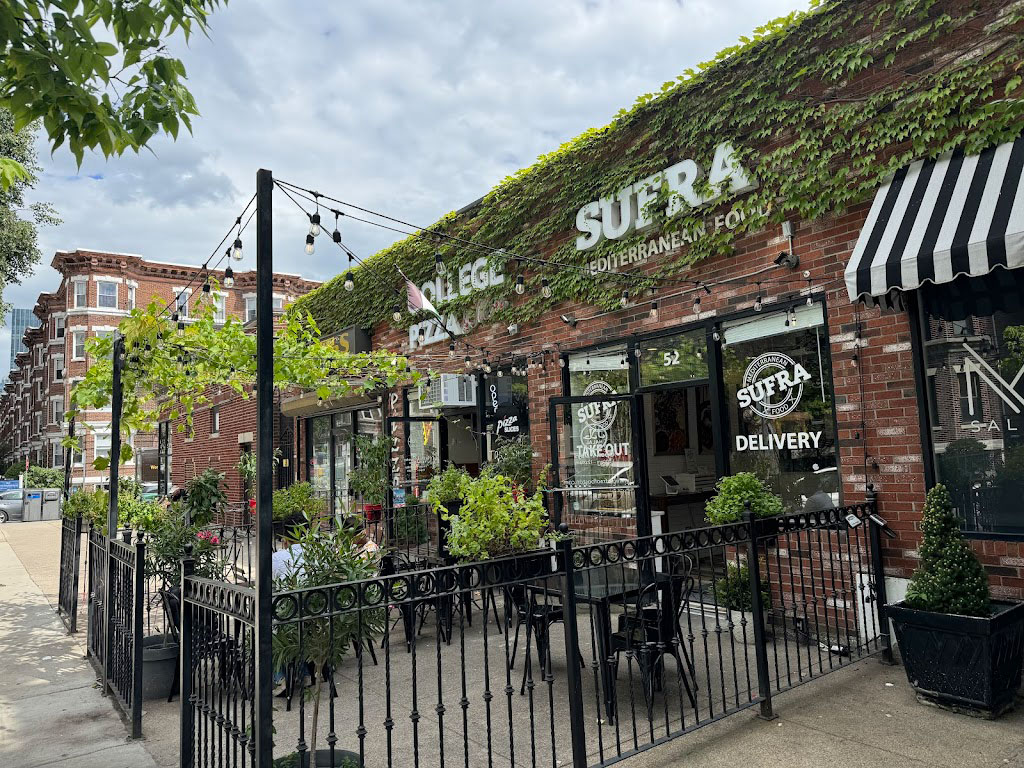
(96, 642)
(70, 568)
(581, 655)
(125, 592)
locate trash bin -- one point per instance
(51, 504)
(33, 505)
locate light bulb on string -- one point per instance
(469, 363)
(236, 250)
(758, 304)
(653, 311)
(545, 288)
(349, 284)
(451, 349)
(336, 234)
(561, 362)
(206, 286)
(421, 335)
(520, 285)
(314, 224)
(439, 263)
(397, 315)
(500, 373)
(229, 277)
(624, 300)
(310, 245)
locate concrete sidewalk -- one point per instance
(51, 711)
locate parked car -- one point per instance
(150, 491)
(12, 506)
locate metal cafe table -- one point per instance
(602, 587)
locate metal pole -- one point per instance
(187, 719)
(764, 688)
(68, 458)
(264, 704)
(878, 576)
(117, 395)
(138, 595)
(574, 679)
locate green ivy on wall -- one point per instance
(813, 102)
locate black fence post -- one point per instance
(573, 677)
(878, 575)
(116, 401)
(764, 686)
(73, 618)
(138, 596)
(187, 719)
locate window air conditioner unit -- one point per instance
(449, 390)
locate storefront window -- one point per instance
(674, 359)
(975, 390)
(506, 409)
(320, 454)
(778, 388)
(599, 372)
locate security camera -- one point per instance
(787, 259)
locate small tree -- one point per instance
(950, 578)
(44, 477)
(370, 477)
(204, 495)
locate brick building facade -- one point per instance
(97, 291)
(877, 409)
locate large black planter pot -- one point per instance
(159, 661)
(964, 663)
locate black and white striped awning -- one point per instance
(938, 219)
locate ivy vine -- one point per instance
(821, 106)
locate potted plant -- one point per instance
(961, 649)
(324, 558)
(513, 458)
(733, 594)
(733, 493)
(495, 518)
(204, 496)
(166, 545)
(293, 504)
(369, 479)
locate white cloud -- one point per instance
(410, 107)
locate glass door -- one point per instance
(596, 450)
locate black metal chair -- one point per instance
(538, 618)
(652, 630)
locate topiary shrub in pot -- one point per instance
(961, 650)
(733, 493)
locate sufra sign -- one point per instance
(628, 210)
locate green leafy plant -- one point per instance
(950, 579)
(369, 479)
(167, 544)
(44, 477)
(446, 486)
(513, 458)
(139, 514)
(205, 496)
(733, 589)
(495, 518)
(328, 557)
(733, 491)
(298, 501)
(91, 505)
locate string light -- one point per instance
(397, 315)
(624, 301)
(336, 234)
(206, 286)
(545, 288)
(653, 314)
(451, 349)
(520, 285)
(439, 263)
(421, 335)
(314, 224)
(310, 247)
(469, 363)
(350, 284)
(236, 251)
(758, 302)
(696, 306)
(229, 277)
(561, 362)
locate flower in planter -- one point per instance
(208, 536)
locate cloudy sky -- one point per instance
(410, 107)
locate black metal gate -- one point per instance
(597, 454)
(70, 560)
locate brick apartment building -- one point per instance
(899, 356)
(96, 292)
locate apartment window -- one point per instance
(78, 345)
(214, 421)
(106, 293)
(39, 355)
(58, 327)
(58, 367)
(101, 445)
(131, 297)
(278, 304)
(250, 308)
(182, 303)
(39, 423)
(81, 294)
(57, 410)
(56, 455)
(219, 307)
